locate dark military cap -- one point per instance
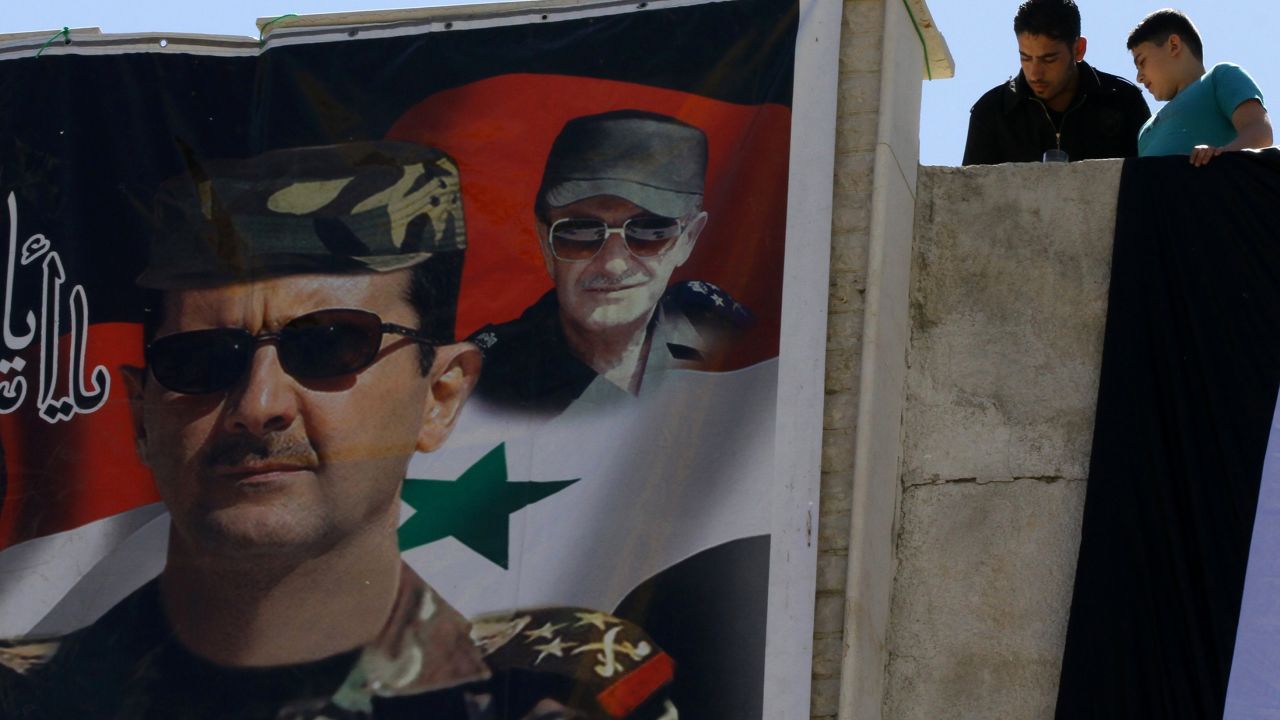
(652, 160)
(362, 206)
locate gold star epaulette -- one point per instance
(609, 666)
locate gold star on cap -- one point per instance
(555, 647)
(597, 619)
(546, 632)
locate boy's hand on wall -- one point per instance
(1202, 154)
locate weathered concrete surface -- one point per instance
(857, 120)
(981, 597)
(876, 490)
(1008, 299)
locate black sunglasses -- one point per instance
(579, 239)
(320, 344)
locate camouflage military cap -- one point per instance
(363, 206)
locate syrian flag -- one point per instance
(1176, 610)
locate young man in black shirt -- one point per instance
(1058, 107)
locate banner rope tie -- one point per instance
(64, 32)
(262, 34)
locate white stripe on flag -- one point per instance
(686, 467)
(36, 574)
(128, 567)
(1253, 692)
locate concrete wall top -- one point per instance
(1010, 271)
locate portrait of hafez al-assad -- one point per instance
(299, 350)
(619, 208)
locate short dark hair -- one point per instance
(433, 290)
(1055, 19)
(434, 287)
(1159, 25)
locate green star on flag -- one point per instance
(476, 508)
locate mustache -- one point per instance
(595, 282)
(248, 451)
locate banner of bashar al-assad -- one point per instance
(444, 364)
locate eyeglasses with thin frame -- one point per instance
(322, 344)
(645, 236)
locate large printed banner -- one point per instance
(1176, 612)
(409, 365)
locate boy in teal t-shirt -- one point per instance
(1208, 113)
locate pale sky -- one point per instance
(979, 32)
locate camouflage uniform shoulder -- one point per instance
(706, 303)
(597, 664)
(19, 660)
(23, 657)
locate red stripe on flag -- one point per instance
(64, 475)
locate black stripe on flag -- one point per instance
(1191, 368)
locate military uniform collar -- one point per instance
(674, 338)
(425, 646)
